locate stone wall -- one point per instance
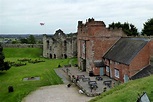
(22, 45)
(59, 45)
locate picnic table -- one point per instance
(108, 83)
(99, 78)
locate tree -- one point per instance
(148, 28)
(3, 65)
(129, 29)
(24, 41)
(31, 40)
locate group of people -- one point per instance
(74, 80)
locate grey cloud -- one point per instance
(64, 14)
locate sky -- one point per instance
(25, 16)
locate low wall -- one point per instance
(22, 45)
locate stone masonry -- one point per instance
(59, 45)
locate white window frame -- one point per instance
(117, 73)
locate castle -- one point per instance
(59, 45)
(102, 51)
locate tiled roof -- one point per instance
(99, 63)
(143, 73)
(125, 49)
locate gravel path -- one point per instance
(56, 93)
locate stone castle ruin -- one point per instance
(60, 45)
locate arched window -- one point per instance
(65, 43)
(47, 44)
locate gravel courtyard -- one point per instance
(57, 93)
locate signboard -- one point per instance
(143, 98)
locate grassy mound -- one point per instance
(14, 76)
(128, 92)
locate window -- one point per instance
(116, 63)
(117, 73)
(47, 44)
(111, 62)
(83, 49)
(107, 69)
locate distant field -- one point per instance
(14, 76)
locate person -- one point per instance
(77, 79)
(91, 87)
(80, 91)
(68, 85)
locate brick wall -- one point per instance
(123, 69)
(151, 48)
(140, 61)
(98, 39)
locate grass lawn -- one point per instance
(14, 76)
(128, 92)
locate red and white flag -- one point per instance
(42, 24)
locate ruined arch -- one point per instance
(54, 55)
(64, 56)
(51, 56)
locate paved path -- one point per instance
(83, 85)
(56, 93)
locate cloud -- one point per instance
(64, 14)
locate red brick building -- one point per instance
(126, 58)
(93, 41)
(151, 47)
(104, 51)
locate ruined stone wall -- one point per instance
(45, 45)
(59, 45)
